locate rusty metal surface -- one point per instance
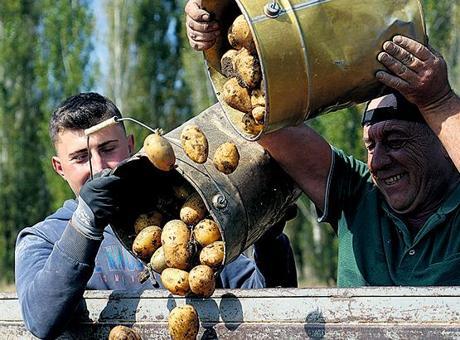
(361, 313)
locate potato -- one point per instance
(239, 35)
(206, 232)
(250, 125)
(236, 96)
(258, 113)
(194, 143)
(158, 261)
(176, 281)
(146, 220)
(147, 242)
(183, 323)
(124, 333)
(159, 151)
(213, 254)
(247, 69)
(201, 281)
(193, 210)
(226, 158)
(257, 98)
(227, 63)
(175, 240)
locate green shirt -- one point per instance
(375, 246)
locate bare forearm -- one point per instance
(443, 118)
(304, 155)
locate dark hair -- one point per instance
(80, 112)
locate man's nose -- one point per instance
(98, 162)
(380, 158)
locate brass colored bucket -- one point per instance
(316, 56)
(244, 204)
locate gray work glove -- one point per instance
(98, 203)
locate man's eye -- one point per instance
(370, 147)
(107, 149)
(396, 143)
(80, 158)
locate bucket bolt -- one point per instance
(219, 201)
(272, 9)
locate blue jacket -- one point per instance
(55, 264)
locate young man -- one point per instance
(398, 217)
(75, 249)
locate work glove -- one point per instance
(98, 203)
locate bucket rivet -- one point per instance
(219, 201)
(272, 9)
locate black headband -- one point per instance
(404, 110)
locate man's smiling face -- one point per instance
(406, 161)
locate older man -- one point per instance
(397, 218)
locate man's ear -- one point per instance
(131, 144)
(57, 166)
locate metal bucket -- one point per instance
(244, 204)
(316, 56)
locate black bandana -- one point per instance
(404, 110)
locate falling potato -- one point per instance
(226, 158)
(193, 210)
(147, 242)
(124, 333)
(159, 151)
(176, 281)
(236, 96)
(146, 220)
(206, 232)
(213, 254)
(201, 281)
(239, 35)
(194, 143)
(183, 323)
(250, 125)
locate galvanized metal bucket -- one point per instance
(244, 204)
(316, 56)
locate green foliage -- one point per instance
(42, 56)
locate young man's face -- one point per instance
(108, 148)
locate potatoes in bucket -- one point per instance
(147, 242)
(175, 280)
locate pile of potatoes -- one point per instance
(244, 88)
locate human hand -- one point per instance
(202, 31)
(98, 202)
(418, 72)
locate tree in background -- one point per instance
(63, 69)
(42, 58)
(146, 76)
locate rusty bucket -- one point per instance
(244, 204)
(316, 56)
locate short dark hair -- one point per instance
(80, 112)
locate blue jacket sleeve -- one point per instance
(51, 279)
(275, 260)
(241, 273)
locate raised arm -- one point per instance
(420, 74)
(305, 156)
